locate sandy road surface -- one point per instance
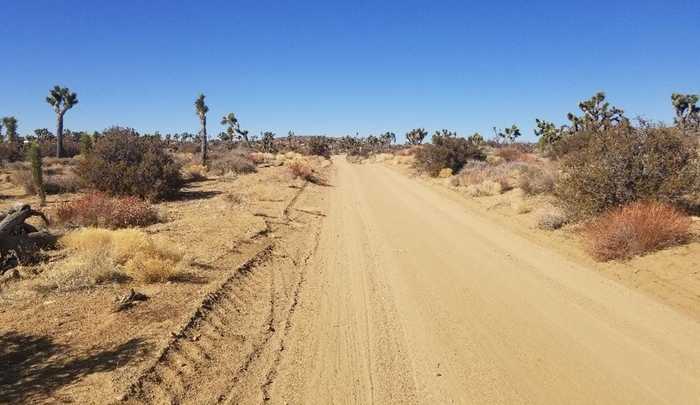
(410, 298)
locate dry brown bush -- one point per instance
(636, 229)
(301, 168)
(536, 180)
(509, 153)
(233, 162)
(100, 210)
(551, 219)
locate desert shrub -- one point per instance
(100, 210)
(551, 219)
(11, 152)
(123, 163)
(301, 168)
(232, 162)
(635, 229)
(85, 144)
(23, 178)
(319, 146)
(446, 151)
(620, 166)
(536, 180)
(261, 157)
(510, 153)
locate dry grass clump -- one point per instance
(301, 168)
(445, 173)
(261, 157)
(551, 219)
(636, 229)
(100, 210)
(100, 255)
(484, 177)
(194, 172)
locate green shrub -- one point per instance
(123, 163)
(623, 165)
(446, 151)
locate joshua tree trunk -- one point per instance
(204, 141)
(59, 135)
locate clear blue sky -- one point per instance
(338, 67)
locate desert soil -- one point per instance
(381, 289)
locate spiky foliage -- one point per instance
(476, 139)
(687, 111)
(267, 142)
(10, 124)
(231, 123)
(508, 135)
(549, 135)
(61, 99)
(387, 138)
(598, 115)
(416, 136)
(34, 157)
(202, 109)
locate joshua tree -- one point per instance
(231, 123)
(387, 138)
(62, 100)
(416, 136)
(687, 111)
(548, 133)
(34, 157)
(508, 135)
(201, 109)
(10, 124)
(1, 136)
(476, 139)
(267, 139)
(598, 115)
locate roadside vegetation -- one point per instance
(613, 180)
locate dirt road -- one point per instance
(410, 298)
(380, 289)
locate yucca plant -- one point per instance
(202, 109)
(34, 157)
(61, 99)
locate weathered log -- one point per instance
(13, 222)
(27, 243)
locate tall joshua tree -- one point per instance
(231, 123)
(10, 124)
(201, 109)
(416, 136)
(62, 100)
(687, 111)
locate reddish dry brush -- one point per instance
(636, 229)
(100, 210)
